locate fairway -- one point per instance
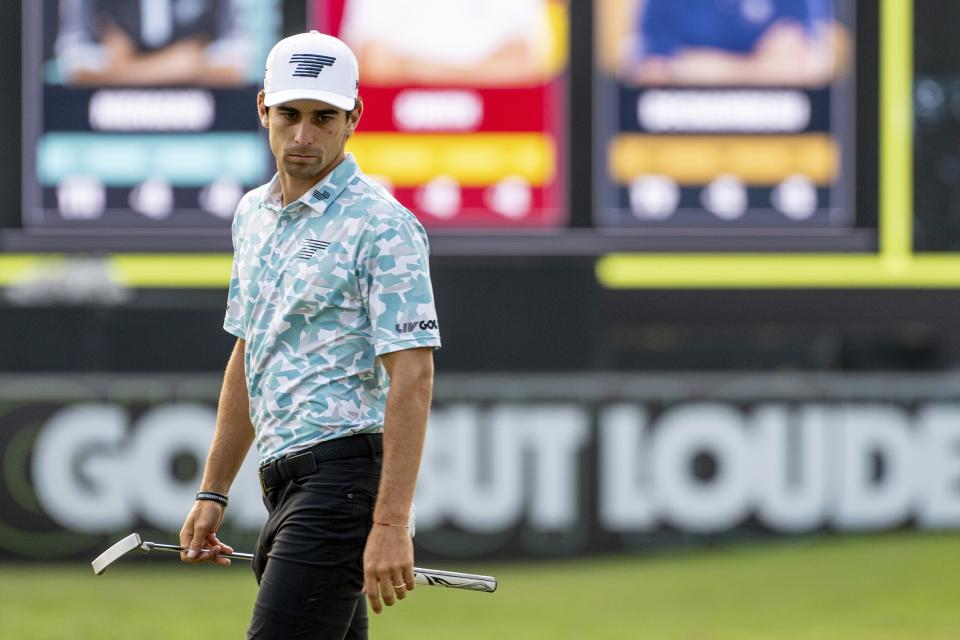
(904, 586)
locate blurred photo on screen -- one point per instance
(151, 42)
(444, 42)
(790, 43)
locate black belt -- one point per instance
(297, 465)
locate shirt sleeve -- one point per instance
(233, 320)
(394, 278)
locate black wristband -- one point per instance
(213, 497)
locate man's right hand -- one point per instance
(199, 532)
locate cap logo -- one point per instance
(309, 65)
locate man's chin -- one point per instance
(302, 171)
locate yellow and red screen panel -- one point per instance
(464, 106)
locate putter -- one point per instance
(432, 577)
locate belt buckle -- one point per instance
(301, 464)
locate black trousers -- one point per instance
(309, 557)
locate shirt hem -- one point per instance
(400, 345)
(234, 331)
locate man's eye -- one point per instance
(289, 115)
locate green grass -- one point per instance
(872, 588)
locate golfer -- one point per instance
(331, 303)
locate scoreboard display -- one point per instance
(724, 115)
(464, 106)
(141, 114)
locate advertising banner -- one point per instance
(515, 466)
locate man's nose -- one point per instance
(304, 132)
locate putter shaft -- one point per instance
(432, 577)
(151, 546)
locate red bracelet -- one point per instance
(390, 524)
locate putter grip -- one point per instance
(431, 577)
(453, 580)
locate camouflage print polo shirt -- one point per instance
(319, 289)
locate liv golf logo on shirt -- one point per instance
(423, 325)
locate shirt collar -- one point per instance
(319, 196)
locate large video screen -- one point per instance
(142, 113)
(723, 114)
(464, 105)
(719, 126)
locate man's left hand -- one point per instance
(387, 566)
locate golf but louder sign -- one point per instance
(516, 466)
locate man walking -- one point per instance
(332, 305)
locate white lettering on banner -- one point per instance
(855, 467)
(790, 468)
(473, 467)
(93, 474)
(478, 486)
(670, 491)
(939, 455)
(554, 437)
(152, 110)
(872, 434)
(686, 501)
(660, 110)
(491, 468)
(162, 434)
(85, 437)
(626, 504)
(454, 110)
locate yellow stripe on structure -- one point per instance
(146, 271)
(699, 159)
(775, 271)
(557, 19)
(472, 159)
(14, 267)
(161, 270)
(896, 130)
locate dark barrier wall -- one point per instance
(516, 466)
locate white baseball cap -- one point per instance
(312, 66)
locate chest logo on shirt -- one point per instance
(310, 246)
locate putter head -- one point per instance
(116, 552)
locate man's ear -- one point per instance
(262, 111)
(353, 118)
